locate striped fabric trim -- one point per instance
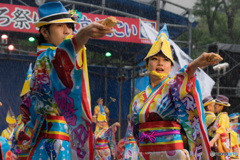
(151, 132)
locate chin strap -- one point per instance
(160, 75)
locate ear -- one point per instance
(44, 32)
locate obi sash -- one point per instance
(49, 127)
(102, 144)
(54, 128)
(160, 136)
(130, 140)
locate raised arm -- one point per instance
(93, 30)
(204, 60)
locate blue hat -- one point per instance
(53, 12)
(234, 115)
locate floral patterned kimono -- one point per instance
(105, 143)
(159, 114)
(235, 138)
(59, 104)
(236, 128)
(210, 119)
(221, 126)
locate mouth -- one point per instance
(159, 70)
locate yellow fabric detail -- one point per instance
(101, 118)
(160, 75)
(58, 121)
(55, 132)
(66, 20)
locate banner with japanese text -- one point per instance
(20, 18)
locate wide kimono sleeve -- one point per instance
(60, 86)
(186, 96)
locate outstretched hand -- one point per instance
(92, 30)
(117, 124)
(204, 60)
(97, 30)
(207, 59)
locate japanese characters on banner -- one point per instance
(20, 19)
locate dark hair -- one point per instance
(226, 109)
(147, 60)
(206, 108)
(41, 38)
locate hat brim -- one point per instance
(223, 104)
(233, 117)
(207, 103)
(43, 23)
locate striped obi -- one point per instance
(55, 128)
(160, 136)
(131, 140)
(101, 144)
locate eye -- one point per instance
(166, 59)
(153, 58)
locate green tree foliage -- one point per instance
(218, 22)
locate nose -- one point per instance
(67, 30)
(159, 62)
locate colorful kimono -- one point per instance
(59, 104)
(221, 126)
(210, 119)
(8, 134)
(5, 152)
(19, 138)
(105, 143)
(236, 127)
(158, 115)
(131, 148)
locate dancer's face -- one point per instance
(102, 124)
(218, 108)
(57, 33)
(211, 107)
(160, 64)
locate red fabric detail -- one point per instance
(195, 95)
(49, 117)
(25, 114)
(156, 124)
(54, 136)
(38, 53)
(63, 66)
(162, 147)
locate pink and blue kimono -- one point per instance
(160, 116)
(59, 104)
